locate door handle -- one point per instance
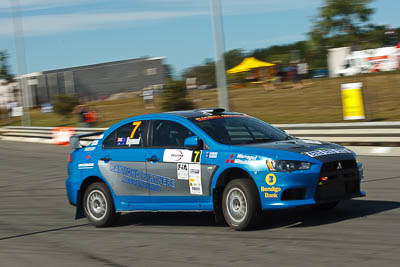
(153, 158)
(106, 158)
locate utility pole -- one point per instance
(21, 63)
(223, 98)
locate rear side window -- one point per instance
(130, 135)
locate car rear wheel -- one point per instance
(240, 204)
(98, 205)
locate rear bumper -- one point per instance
(72, 191)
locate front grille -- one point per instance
(342, 181)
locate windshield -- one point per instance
(239, 129)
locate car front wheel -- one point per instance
(98, 205)
(240, 204)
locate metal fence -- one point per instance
(362, 133)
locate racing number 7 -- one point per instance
(195, 157)
(136, 124)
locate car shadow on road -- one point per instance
(296, 217)
(43, 231)
(168, 219)
(307, 216)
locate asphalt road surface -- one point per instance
(37, 226)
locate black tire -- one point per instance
(98, 205)
(241, 204)
(326, 206)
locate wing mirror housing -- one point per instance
(192, 142)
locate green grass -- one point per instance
(318, 101)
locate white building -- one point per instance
(31, 81)
(9, 92)
(90, 82)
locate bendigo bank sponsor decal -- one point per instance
(270, 179)
(142, 179)
(271, 192)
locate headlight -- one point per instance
(287, 165)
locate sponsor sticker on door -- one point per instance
(195, 179)
(177, 155)
(182, 171)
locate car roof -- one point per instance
(186, 114)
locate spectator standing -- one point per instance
(91, 118)
(82, 110)
(302, 72)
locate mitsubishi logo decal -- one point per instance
(230, 160)
(339, 166)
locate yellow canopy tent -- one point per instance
(248, 64)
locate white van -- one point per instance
(370, 60)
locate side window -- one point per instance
(130, 135)
(169, 134)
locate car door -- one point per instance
(177, 168)
(122, 160)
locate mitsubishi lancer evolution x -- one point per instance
(205, 160)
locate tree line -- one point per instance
(4, 68)
(338, 23)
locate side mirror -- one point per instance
(192, 142)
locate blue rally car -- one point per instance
(205, 160)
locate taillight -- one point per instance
(70, 158)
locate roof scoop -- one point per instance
(210, 110)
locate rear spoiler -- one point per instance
(75, 140)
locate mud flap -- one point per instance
(217, 199)
(79, 214)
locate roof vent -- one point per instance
(210, 110)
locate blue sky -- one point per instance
(67, 33)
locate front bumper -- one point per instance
(301, 188)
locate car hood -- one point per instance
(322, 151)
